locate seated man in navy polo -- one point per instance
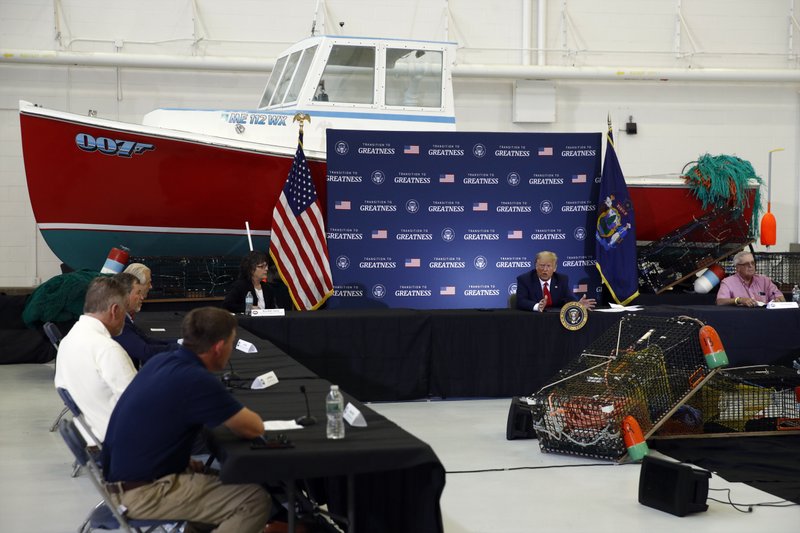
(543, 287)
(146, 454)
(138, 344)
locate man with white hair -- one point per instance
(746, 288)
(91, 365)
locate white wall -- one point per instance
(678, 121)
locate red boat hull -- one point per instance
(141, 188)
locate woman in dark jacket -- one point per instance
(252, 274)
(258, 276)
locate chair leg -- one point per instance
(64, 411)
(76, 469)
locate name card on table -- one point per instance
(354, 416)
(782, 305)
(267, 312)
(264, 380)
(246, 347)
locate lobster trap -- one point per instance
(190, 277)
(643, 366)
(676, 257)
(740, 401)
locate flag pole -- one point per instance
(249, 238)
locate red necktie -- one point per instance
(546, 292)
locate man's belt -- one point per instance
(119, 487)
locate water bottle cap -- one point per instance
(334, 387)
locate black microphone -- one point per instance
(227, 377)
(306, 420)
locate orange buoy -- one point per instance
(633, 438)
(712, 347)
(769, 232)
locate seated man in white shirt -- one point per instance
(91, 365)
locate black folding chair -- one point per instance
(105, 515)
(54, 335)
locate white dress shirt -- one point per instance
(95, 370)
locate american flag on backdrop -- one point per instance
(298, 244)
(447, 178)
(547, 150)
(579, 178)
(412, 149)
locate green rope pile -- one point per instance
(723, 181)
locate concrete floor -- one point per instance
(38, 495)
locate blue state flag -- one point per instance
(616, 231)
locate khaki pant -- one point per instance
(200, 499)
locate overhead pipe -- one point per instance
(551, 72)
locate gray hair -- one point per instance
(139, 270)
(102, 293)
(127, 280)
(737, 259)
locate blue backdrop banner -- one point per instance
(447, 220)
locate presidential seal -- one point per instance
(574, 316)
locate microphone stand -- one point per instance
(307, 419)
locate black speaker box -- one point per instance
(673, 487)
(520, 421)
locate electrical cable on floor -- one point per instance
(526, 468)
(748, 507)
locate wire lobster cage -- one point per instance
(643, 366)
(740, 401)
(691, 247)
(190, 276)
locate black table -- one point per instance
(386, 478)
(402, 354)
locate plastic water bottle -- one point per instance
(248, 303)
(796, 293)
(334, 408)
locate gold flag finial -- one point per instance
(301, 117)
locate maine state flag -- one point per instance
(616, 230)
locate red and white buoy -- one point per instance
(116, 261)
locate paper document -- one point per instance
(616, 308)
(281, 425)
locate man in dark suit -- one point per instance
(543, 287)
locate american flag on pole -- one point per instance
(298, 244)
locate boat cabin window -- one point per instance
(349, 76)
(287, 78)
(413, 78)
(273, 82)
(300, 75)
